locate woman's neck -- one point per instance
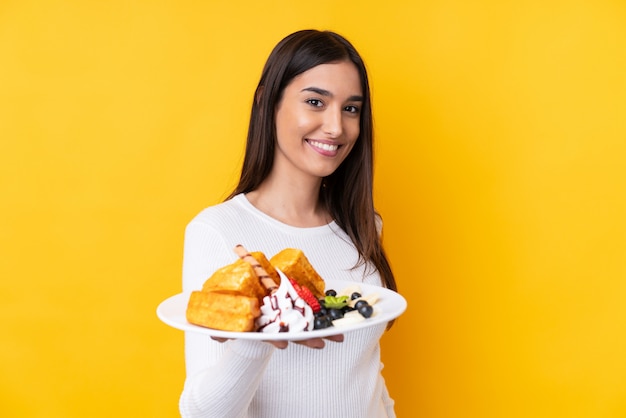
(292, 203)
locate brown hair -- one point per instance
(352, 210)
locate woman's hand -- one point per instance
(311, 343)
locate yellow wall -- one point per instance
(500, 176)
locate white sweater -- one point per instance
(253, 379)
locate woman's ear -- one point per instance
(258, 94)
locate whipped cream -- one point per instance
(284, 310)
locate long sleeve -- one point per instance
(221, 377)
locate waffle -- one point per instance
(295, 265)
(223, 311)
(237, 277)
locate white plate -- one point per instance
(389, 306)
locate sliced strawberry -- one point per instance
(306, 295)
(310, 299)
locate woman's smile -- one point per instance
(324, 148)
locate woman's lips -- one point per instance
(323, 147)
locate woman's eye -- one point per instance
(352, 109)
(315, 102)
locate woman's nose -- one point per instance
(333, 123)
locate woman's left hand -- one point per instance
(311, 343)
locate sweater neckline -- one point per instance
(245, 203)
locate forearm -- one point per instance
(226, 388)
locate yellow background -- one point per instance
(500, 176)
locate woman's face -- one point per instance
(317, 120)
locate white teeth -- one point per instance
(325, 147)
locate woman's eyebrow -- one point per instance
(327, 93)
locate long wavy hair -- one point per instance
(347, 193)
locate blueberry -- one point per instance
(355, 295)
(360, 303)
(335, 314)
(366, 310)
(321, 322)
(331, 292)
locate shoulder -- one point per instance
(220, 214)
(228, 223)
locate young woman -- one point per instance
(306, 183)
